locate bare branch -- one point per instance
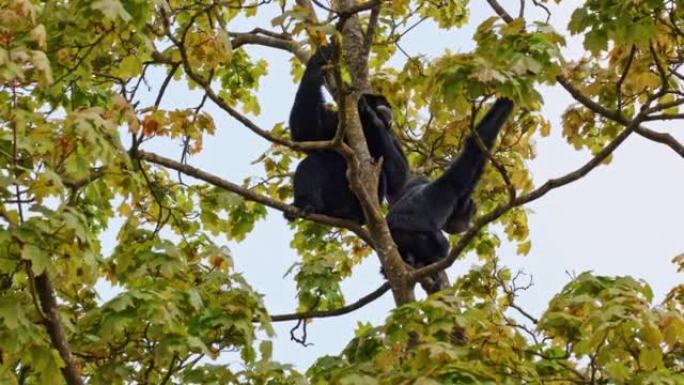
(372, 24)
(661, 137)
(167, 80)
(500, 11)
(361, 302)
(664, 106)
(511, 292)
(261, 37)
(630, 59)
(356, 8)
(510, 187)
(251, 195)
(664, 84)
(544, 8)
(170, 371)
(665, 117)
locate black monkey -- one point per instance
(425, 208)
(376, 118)
(320, 183)
(310, 119)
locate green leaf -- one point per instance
(38, 257)
(130, 66)
(266, 350)
(596, 41)
(651, 358)
(10, 311)
(111, 9)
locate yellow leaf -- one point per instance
(524, 247)
(37, 35)
(651, 334)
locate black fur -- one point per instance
(320, 183)
(310, 119)
(424, 209)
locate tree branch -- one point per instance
(661, 137)
(54, 328)
(500, 11)
(165, 83)
(251, 195)
(618, 87)
(362, 172)
(590, 104)
(361, 302)
(356, 8)
(257, 37)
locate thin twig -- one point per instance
(618, 86)
(361, 302)
(165, 84)
(500, 11)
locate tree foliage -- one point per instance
(74, 133)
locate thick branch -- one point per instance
(361, 302)
(362, 172)
(356, 8)
(54, 328)
(251, 195)
(241, 38)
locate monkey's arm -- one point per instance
(310, 119)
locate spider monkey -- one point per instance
(320, 183)
(426, 208)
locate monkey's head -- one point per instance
(381, 106)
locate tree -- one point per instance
(75, 161)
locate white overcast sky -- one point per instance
(624, 219)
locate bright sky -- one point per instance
(624, 219)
